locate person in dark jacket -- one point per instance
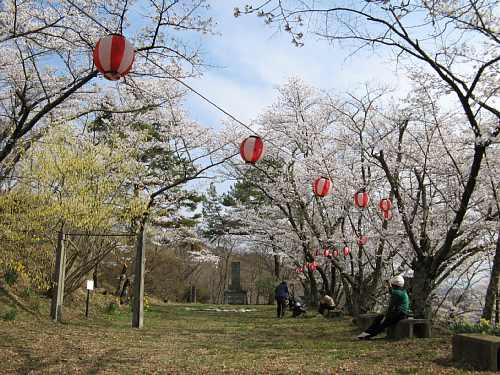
(281, 295)
(399, 308)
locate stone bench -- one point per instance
(410, 328)
(478, 351)
(363, 321)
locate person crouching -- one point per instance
(325, 303)
(399, 308)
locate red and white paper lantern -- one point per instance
(387, 215)
(347, 250)
(252, 149)
(361, 199)
(326, 253)
(313, 265)
(113, 56)
(321, 186)
(385, 204)
(363, 240)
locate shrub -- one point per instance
(147, 303)
(11, 276)
(111, 308)
(482, 327)
(27, 293)
(10, 315)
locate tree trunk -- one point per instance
(333, 281)
(355, 300)
(313, 298)
(94, 276)
(492, 290)
(277, 267)
(348, 297)
(324, 278)
(140, 260)
(123, 277)
(422, 287)
(192, 297)
(497, 311)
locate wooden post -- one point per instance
(58, 279)
(140, 260)
(87, 304)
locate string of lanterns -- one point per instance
(113, 57)
(252, 150)
(327, 253)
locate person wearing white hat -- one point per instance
(399, 308)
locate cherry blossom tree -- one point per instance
(407, 152)
(47, 72)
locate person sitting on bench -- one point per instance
(325, 303)
(399, 308)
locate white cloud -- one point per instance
(254, 60)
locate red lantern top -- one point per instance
(113, 56)
(321, 186)
(387, 215)
(361, 199)
(347, 250)
(363, 240)
(385, 204)
(252, 149)
(326, 252)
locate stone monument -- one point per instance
(235, 295)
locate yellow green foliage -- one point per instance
(64, 179)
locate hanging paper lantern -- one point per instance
(362, 240)
(326, 253)
(361, 199)
(347, 250)
(335, 253)
(387, 215)
(321, 186)
(385, 204)
(313, 265)
(252, 149)
(113, 56)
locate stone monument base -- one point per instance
(235, 297)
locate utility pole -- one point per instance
(58, 279)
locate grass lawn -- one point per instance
(180, 341)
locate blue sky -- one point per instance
(254, 58)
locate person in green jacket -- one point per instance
(399, 308)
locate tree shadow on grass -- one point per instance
(448, 362)
(33, 363)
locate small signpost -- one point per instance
(90, 286)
